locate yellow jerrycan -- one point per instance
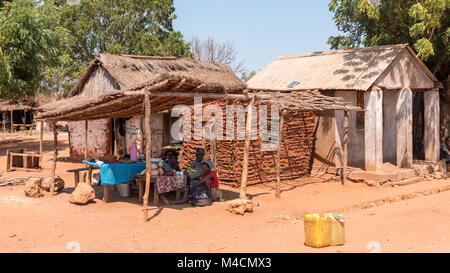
(337, 231)
(317, 230)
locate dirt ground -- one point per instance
(52, 224)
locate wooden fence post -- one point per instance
(41, 138)
(345, 148)
(243, 192)
(278, 157)
(148, 152)
(55, 156)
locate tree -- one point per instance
(423, 24)
(29, 44)
(211, 51)
(117, 27)
(246, 78)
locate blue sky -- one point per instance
(261, 30)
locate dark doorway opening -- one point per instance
(418, 126)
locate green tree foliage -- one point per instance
(424, 24)
(246, 78)
(46, 45)
(118, 27)
(29, 44)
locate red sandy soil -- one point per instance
(49, 224)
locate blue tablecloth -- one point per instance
(118, 173)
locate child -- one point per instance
(210, 180)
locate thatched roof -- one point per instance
(352, 69)
(22, 104)
(134, 72)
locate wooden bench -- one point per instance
(21, 159)
(24, 127)
(76, 174)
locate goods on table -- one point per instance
(156, 168)
(327, 230)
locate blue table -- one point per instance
(118, 173)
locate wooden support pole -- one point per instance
(12, 121)
(278, 157)
(148, 152)
(345, 149)
(243, 192)
(55, 156)
(41, 138)
(213, 152)
(86, 128)
(105, 193)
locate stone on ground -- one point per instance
(33, 187)
(240, 206)
(82, 194)
(59, 183)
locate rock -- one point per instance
(59, 183)
(33, 187)
(372, 183)
(82, 194)
(240, 206)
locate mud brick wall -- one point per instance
(297, 146)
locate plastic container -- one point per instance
(317, 230)
(133, 151)
(337, 231)
(124, 190)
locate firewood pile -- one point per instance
(296, 153)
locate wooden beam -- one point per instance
(41, 138)
(148, 152)
(55, 156)
(345, 149)
(278, 156)
(12, 121)
(243, 192)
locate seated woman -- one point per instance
(170, 166)
(211, 182)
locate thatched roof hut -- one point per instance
(112, 79)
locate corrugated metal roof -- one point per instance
(352, 69)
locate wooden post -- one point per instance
(105, 193)
(345, 149)
(243, 192)
(55, 155)
(148, 152)
(278, 167)
(76, 176)
(12, 121)
(213, 153)
(86, 127)
(90, 175)
(41, 138)
(3, 120)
